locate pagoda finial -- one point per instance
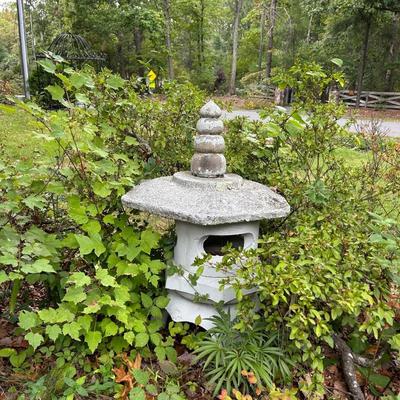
(209, 160)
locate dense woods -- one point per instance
(219, 45)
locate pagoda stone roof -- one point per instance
(207, 201)
(207, 195)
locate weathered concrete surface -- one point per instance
(209, 160)
(391, 128)
(206, 201)
(185, 310)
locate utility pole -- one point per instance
(23, 48)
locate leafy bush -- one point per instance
(62, 223)
(328, 267)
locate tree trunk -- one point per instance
(364, 54)
(138, 37)
(270, 46)
(232, 83)
(309, 29)
(202, 8)
(167, 16)
(393, 53)
(261, 44)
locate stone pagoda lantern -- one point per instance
(211, 208)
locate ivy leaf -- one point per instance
(3, 277)
(47, 65)
(75, 295)
(33, 202)
(141, 339)
(141, 377)
(101, 189)
(85, 321)
(86, 245)
(64, 315)
(115, 82)
(105, 279)
(76, 211)
(53, 332)
(92, 227)
(129, 337)
(138, 326)
(34, 339)
(82, 98)
(27, 320)
(133, 252)
(146, 300)
(79, 279)
(93, 340)
(77, 80)
(8, 259)
(149, 240)
(99, 248)
(39, 266)
(56, 91)
(122, 294)
(110, 328)
(72, 329)
(48, 315)
(162, 301)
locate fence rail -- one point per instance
(385, 100)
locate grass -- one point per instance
(17, 134)
(17, 138)
(353, 157)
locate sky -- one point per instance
(5, 2)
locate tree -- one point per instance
(261, 44)
(272, 19)
(394, 50)
(167, 16)
(232, 83)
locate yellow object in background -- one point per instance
(151, 76)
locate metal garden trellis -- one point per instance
(73, 48)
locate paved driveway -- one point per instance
(391, 127)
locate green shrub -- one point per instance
(62, 222)
(328, 267)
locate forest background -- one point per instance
(218, 45)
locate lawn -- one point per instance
(17, 138)
(17, 134)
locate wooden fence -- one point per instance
(385, 100)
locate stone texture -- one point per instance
(190, 245)
(209, 144)
(208, 165)
(210, 110)
(209, 126)
(209, 160)
(184, 310)
(207, 201)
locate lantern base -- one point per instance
(184, 310)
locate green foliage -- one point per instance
(332, 265)
(63, 224)
(229, 354)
